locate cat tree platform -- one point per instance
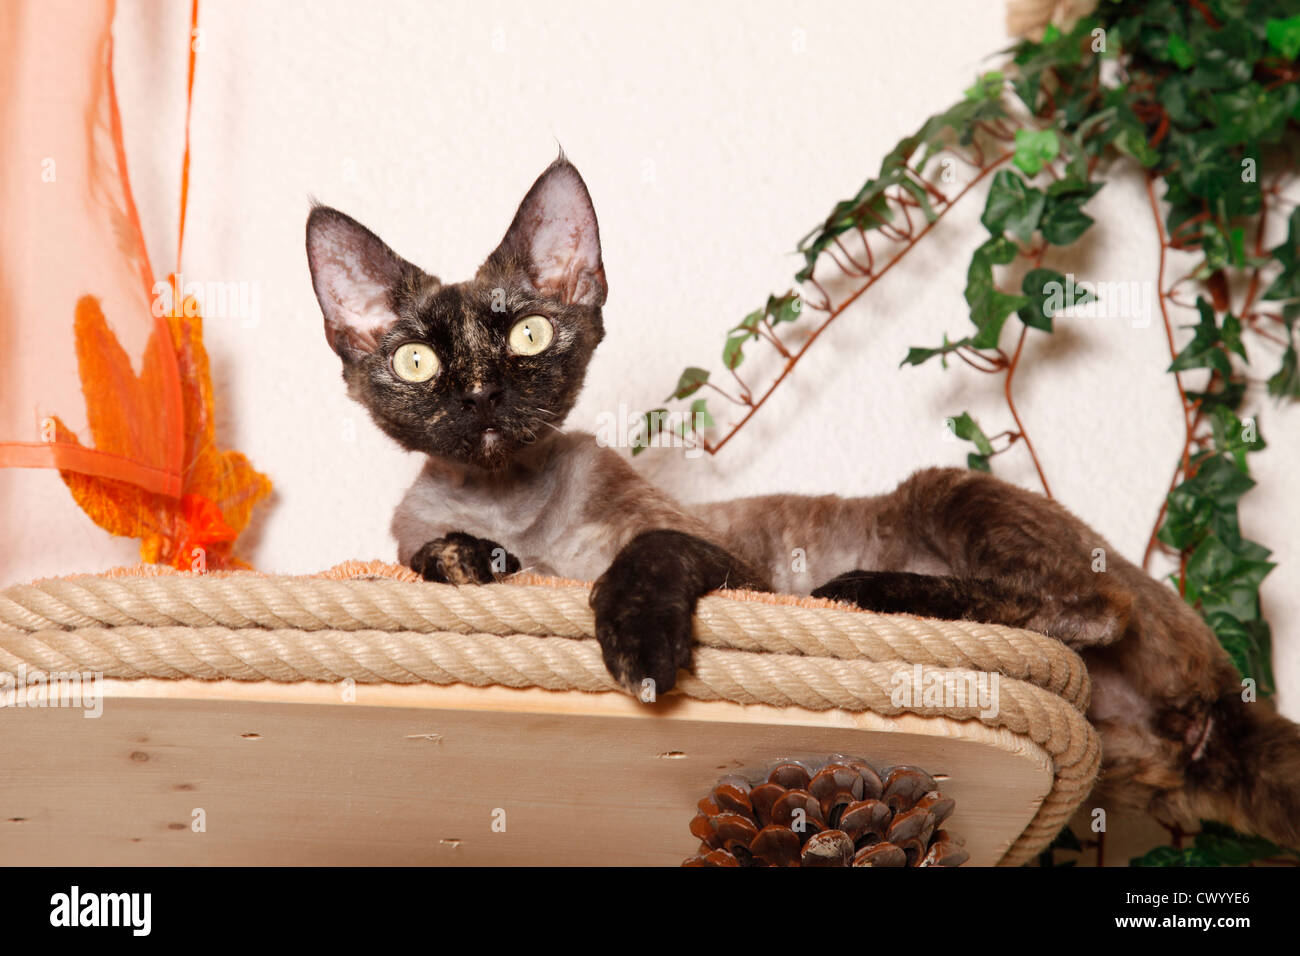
(363, 717)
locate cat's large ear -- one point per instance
(354, 275)
(554, 241)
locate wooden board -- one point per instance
(292, 774)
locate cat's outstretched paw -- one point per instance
(463, 559)
(644, 630)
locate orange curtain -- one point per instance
(71, 231)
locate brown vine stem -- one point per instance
(1006, 390)
(1189, 422)
(839, 310)
(1251, 293)
(1164, 305)
(769, 333)
(988, 369)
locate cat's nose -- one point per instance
(481, 400)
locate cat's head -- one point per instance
(477, 371)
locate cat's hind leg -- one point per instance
(1091, 618)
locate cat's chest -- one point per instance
(539, 518)
(510, 516)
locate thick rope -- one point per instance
(314, 604)
(298, 629)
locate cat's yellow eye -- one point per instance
(531, 334)
(415, 362)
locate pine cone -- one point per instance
(842, 813)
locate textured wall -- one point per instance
(711, 136)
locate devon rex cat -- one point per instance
(478, 375)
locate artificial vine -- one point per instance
(1203, 99)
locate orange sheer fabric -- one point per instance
(103, 373)
(80, 345)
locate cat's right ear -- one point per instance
(553, 244)
(354, 275)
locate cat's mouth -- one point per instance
(488, 446)
(492, 444)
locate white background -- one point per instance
(712, 136)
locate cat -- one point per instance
(479, 375)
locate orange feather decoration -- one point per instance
(219, 487)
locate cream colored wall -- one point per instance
(711, 135)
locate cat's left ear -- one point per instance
(554, 240)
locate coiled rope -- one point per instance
(755, 649)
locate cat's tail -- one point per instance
(1247, 774)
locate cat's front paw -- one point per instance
(463, 559)
(644, 631)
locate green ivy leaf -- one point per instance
(987, 88)
(1131, 140)
(700, 414)
(1248, 644)
(1284, 36)
(651, 424)
(733, 351)
(1251, 113)
(786, 308)
(1206, 169)
(1064, 220)
(1203, 350)
(1045, 289)
(1205, 503)
(967, 429)
(989, 306)
(1179, 51)
(691, 381)
(1227, 847)
(1065, 840)
(1035, 149)
(1167, 856)
(917, 355)
(1074, 186)
(1287, 285)
(1221, 579)
(1012, 204)
(1232, 436)
(1285, 382)
(1229, 60)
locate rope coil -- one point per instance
(318, 604)
(753, 651)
